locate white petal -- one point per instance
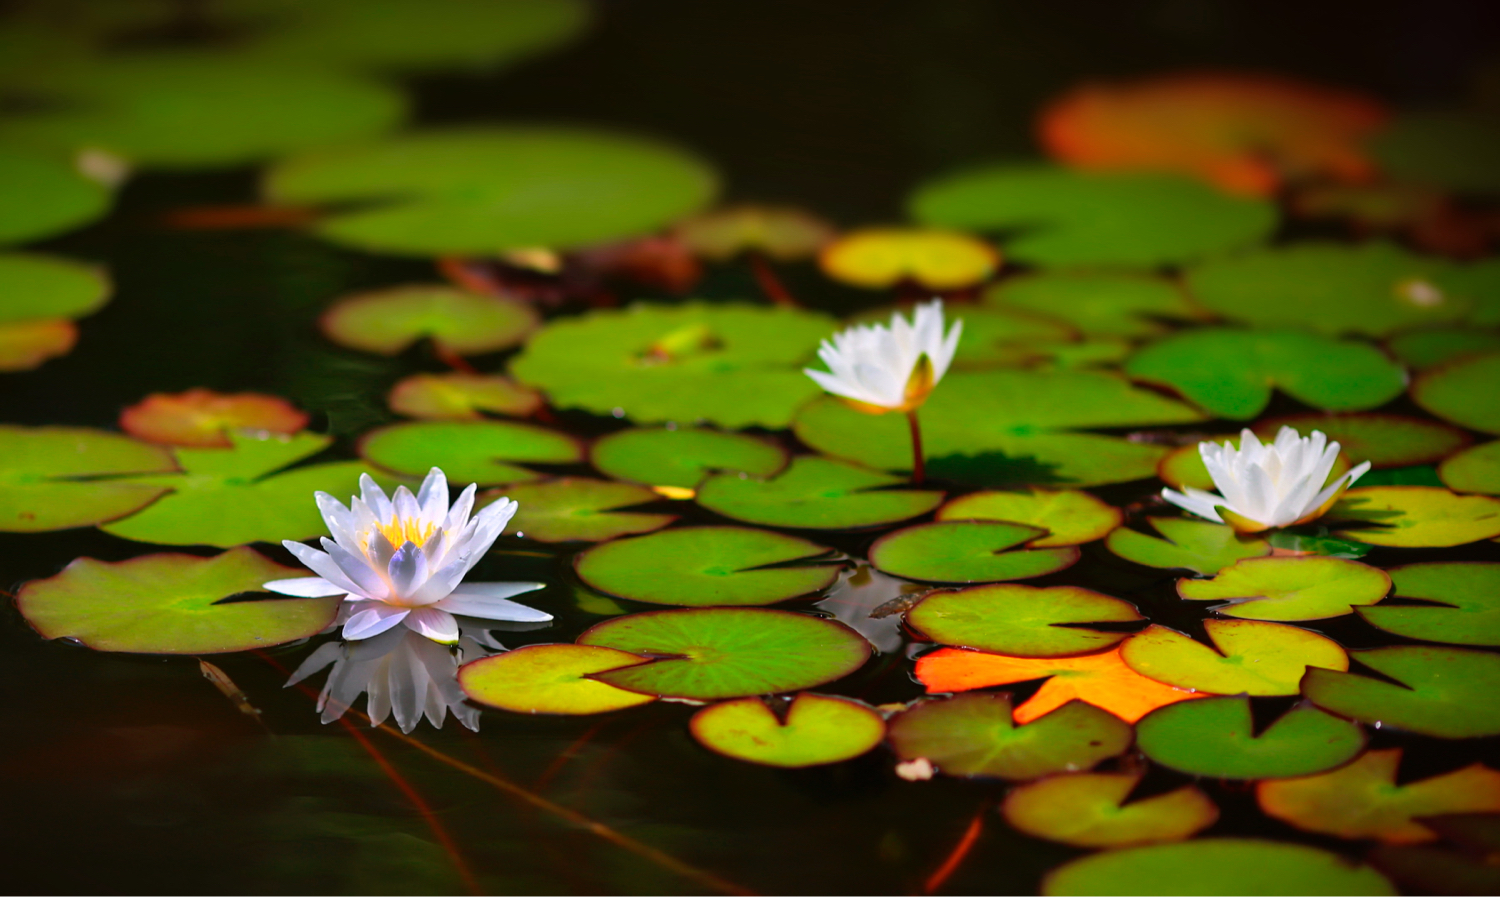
(497, 513)
(305, 587)
(408, 569)
(357, 568)
(1194, 504)
(458, 516)
(406, 505)
(433, 496)
(322, 564)
(374, 496)
(492, 607)
(339, 519)
(435, 624)
(372, 619)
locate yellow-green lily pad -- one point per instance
(1070, 517)
(816, 493)
(1385, 440)
(460, 396)
(1216, 866)
(1196, 545)
(1444, 692)
(815, 729)
(682, 456)
(880, 257)
(61, 477)
(550, 679)
(1475, 469)
(469, 451)
(1464, 608)
(45, 196)
(1097, 303)
(579, 509)
(1249, 657)
(1462, 392)
(40, 287)
(1415, 517)
(1022, 621)
(959, 551)
(390, 320)
(1289, 589)
(1089, 809)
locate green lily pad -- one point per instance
(784, 233)
(1461, 866)
(1088, 809)
(1415, 516)
(1333, 288)
(1419, 475)
(967, 551)
(1289, 589)
(1015, 421)
(705, 566)
(550, 679)
(1097, 303)
(1215, 738)
(61, 477)
(973, 735)
(1423, 349)
(45, 196)
(390, 320)
(817, 729)
(1362, 800)
(578, 509)
(1049, 355)
(172, 604)
(469, 451)
(1385, 440)
(732, 364)
(482, 191)
(1069, 517)
(1462, 392)
(1022, 621)
(1057, 217)
(683, 456)
(1444, 692)
(1215, 866)
(1249, 657)
(995, 337)
(1452, 149)
(816, 493)
(1465, 608)
(1320, 545)
(226, 497)
(1195, 545)
(1230, 372)
(191, 109)
(711, 653)
(459, 396)
(34, 287)
(1473, 470)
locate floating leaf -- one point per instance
(708, 565)
(994, 337)
(226, 497)
(1473, 470)
(967, 551)
(1196, 545)
(469, 451)
(1466, 608)
(45, 196)
(1332, 288)
(1014, 421)
(1243, 133)
(1289, 589)
(682, 456)
(1069, 517)
(1445, 692)
(459, 396)
(728, 652)
(732, 364)
(816, 493)
(1102, 680)
(36, 287)
(1452, 149)
(1088, 809)
(816, 729)
(1302, 543)
(1215, 738)
(1423, 349)
(1362, 800)
(1022, 621)
(481, 191)
(974, 736)
(1248, 657)
(1097, 303)
(172, 604)
(390, 320)
(1461, 392)
(1215, 866)
(550, 679)
(578, 509)
(58, 477)
(783, 233)
(1385, 440)
(1463, 868)
(201, 417)
(1230, 372)
(27, 345)
(1057, 217)
(1415, 516)
(880, 257)
(190, 109)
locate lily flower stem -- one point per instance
(454, 360)
(918, 465)
(770, 284)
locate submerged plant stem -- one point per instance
(453, 360)
(918, 463)
(960, 851)
(770, 284)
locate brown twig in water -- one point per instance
(770, 284)
(453, 360)
(960, 851)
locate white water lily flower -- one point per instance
(1265, 486)
(402, 560)
(877, 368)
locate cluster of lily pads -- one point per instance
(738, 538)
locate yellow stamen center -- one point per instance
(399, 531)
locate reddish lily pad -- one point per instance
(1289, 589)
(816, 493)
(459, 396)
(1362, 800)
(1215, 738)
(26, 345)
(814, 730)
(1089, 809)
(1473, 470)
(1070, 517)
(1461, 392)
(1415, 517)
(1465, 608)
(469, 451)
(550, 679)
(1195, 545)
(877, 258)
(1444, 692)
(1249, 657)
(1461, 866)
(1215, 866)
(172, 604)
(61, 477)
(1385, 440)
(681, 457)
(967, 551)
(578, 509)
(389, 321)
(1022, 621)
(200, 417)
(783, 233)
(973, 736)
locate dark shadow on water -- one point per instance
(995, 470)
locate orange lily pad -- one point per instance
(459, 396)
(26, 344)
(201, 417)
(880, 257)
(1100, 679)
(1244, 133)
